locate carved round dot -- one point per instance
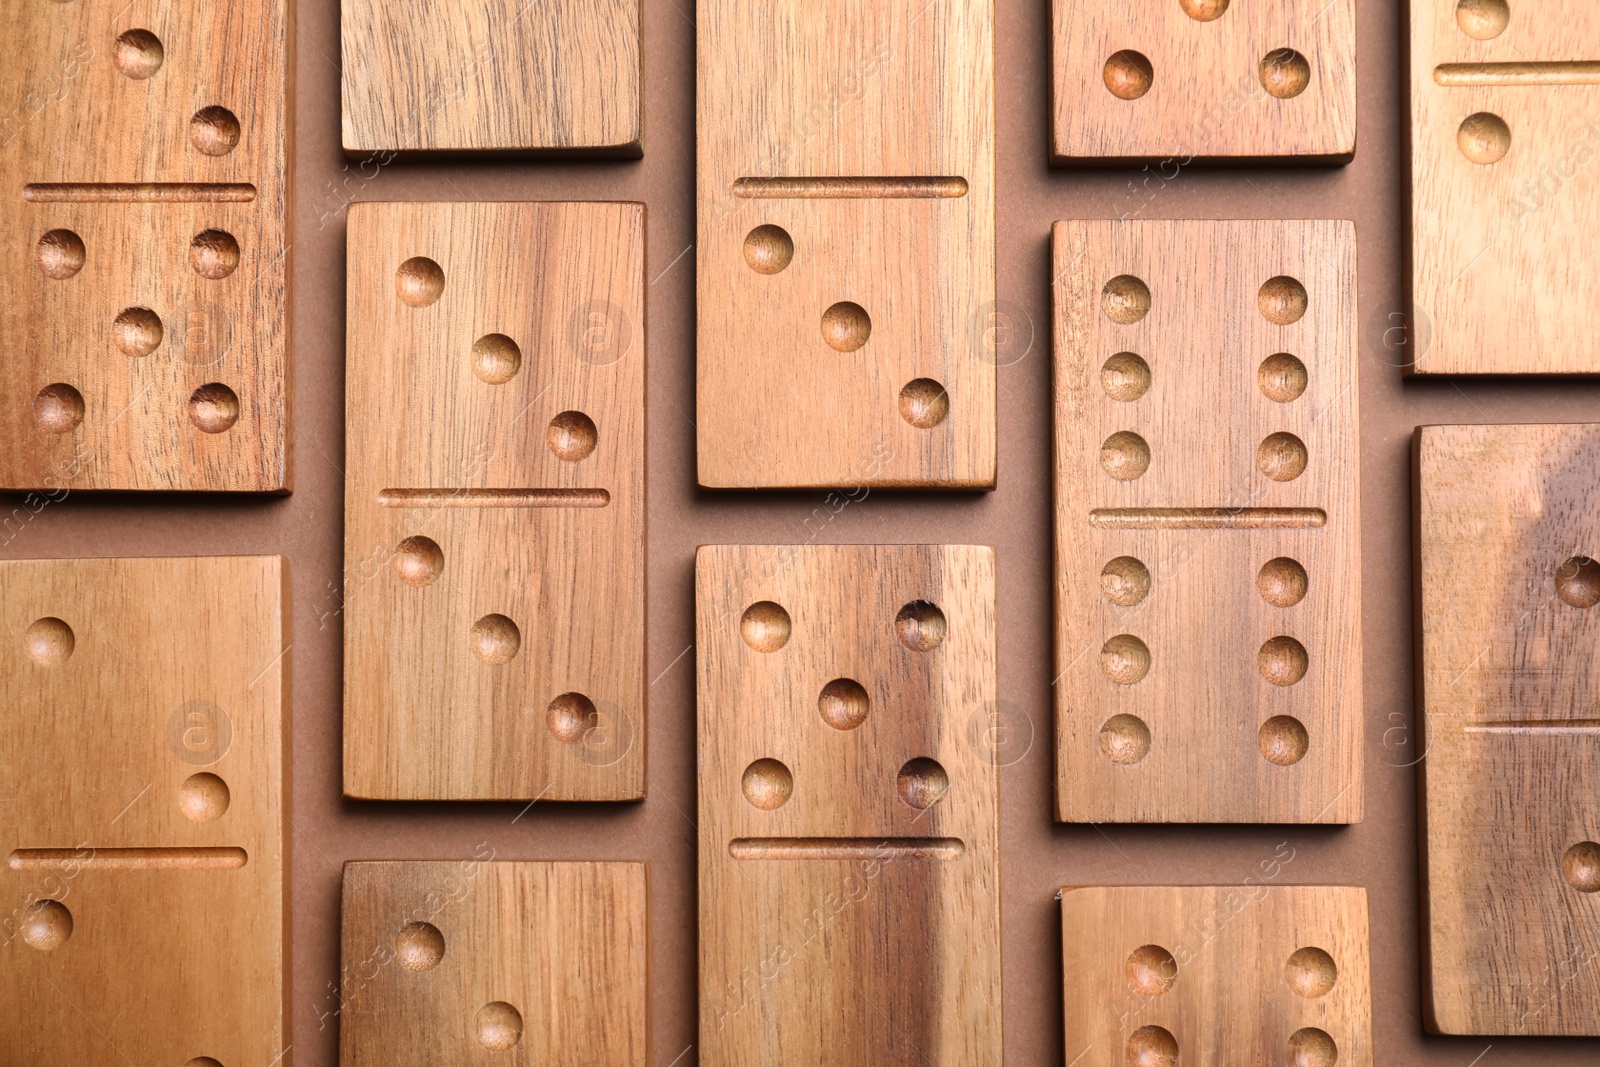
(843, 704)
(214, 254)
(922, 783)
(418, 560)
(1125, 581)
(921, 626)
(1128, 74)
(419, 946)
(767, 784)
(1125, 300)
(1283, 740)
(1284, 73)
(419, 281)
(1311, 973)
(202, 1061)
(1125, 659)
(846, 326)
(48, 641)
(58, 408)
(1482, 20)
(1580, 866)
(1125, 376)
(1282, 582)
(1282, 378)
(1484, 138)
(1125, 739)
(570, 717)
(1578, 582)
(46, 925)
(495, 357)
(1282, 457)
(1204, 10)
(61, 254)
(768, 249)
(1282, 300)
(495, 639)
(1152, 1046)
(1282, 660)
(1151, 970)
(765, 626)
(498, 1025)
(924, 403)
(203, 797)
(213, 408)
(138, 54)
(572, 436)
(137, 331)
(214, 131)
(1311, 1047)
(1125, 455)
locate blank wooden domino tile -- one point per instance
(501, 78)
(1506, 548)
(142, 766)
(1209, 80)
(480, 962)
(1212, 976)
(494, 502)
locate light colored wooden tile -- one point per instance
(845, 256)
(479, 962)
(503, 77)
(494, 502)
(1511, 864)
(145, 260)
(849, 881)
(1217, 975)
(1208, 637)
(142, 763)
(1192, 80)
(1503, 187)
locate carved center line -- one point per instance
(1534, 726)
(494, 498)
(943, 188)
(127, 859)
(846, 848)
(1207, 518)
(1551, 72)
(139, 192)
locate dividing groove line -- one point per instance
(847, 848)
(944, 188)
(494, 498)
(127, 859)
(1534, 726)
(1549, 72)
(139, 192)
(1207, 518)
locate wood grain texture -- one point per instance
(1503, 186)
(142, 762)
(1216, 975)
(849, 878)
(494, 502)
(478, 962)
(501, 77)
(144, 246)
(1505, 544)
(847, 326)
(1208, 651)
(1203, 80)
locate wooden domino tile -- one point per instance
(1186, 80)
(142, 765)
(1503, 224)
(845, 256)
(849, 880)
(1506, 526)
(508, 78)
(1164, 975)
(494, 502)
(463, 961)
(143, 224)
(1208, 637)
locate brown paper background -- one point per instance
(1037, 856)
